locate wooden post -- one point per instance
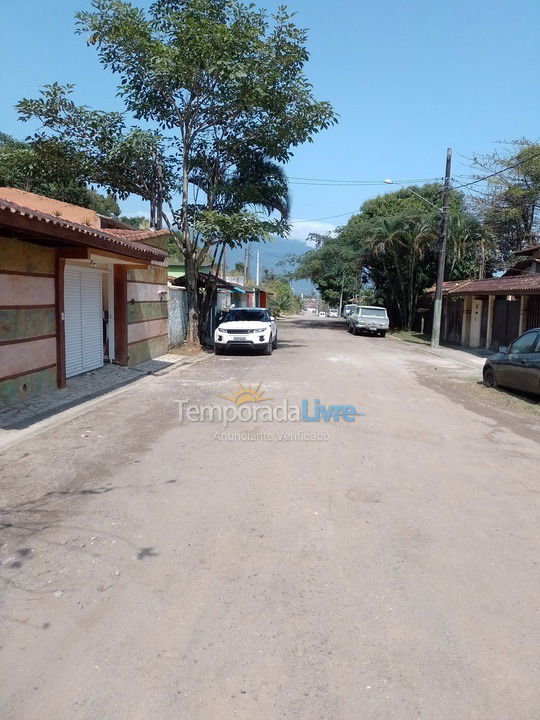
(522, 313)
(120, 315)
(489, 330)
(60, 326)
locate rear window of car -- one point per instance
(246, 315)
(373, 312)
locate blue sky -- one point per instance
(408, 79)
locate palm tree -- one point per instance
(398, 246)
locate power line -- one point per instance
(328, 217)
(355, 183)
(499, 172)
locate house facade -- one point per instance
(77, 290)
(494, 311)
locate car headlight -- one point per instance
(259, 330)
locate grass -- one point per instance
(413, 336)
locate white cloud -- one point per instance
(300, 229)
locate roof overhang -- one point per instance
(35, 226)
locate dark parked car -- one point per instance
(517, 366)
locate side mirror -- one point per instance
(272, 318)
(503, 349)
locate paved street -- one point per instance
(386, 569)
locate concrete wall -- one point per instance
(178, 315)
(148, 328)
(27, 320)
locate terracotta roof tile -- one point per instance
(136, 235)
(526, 283)
(120, 242)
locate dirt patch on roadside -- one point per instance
(519, 413)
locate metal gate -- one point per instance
(533, 312)
(505, 321)
(454, 320)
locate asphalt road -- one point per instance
(383, 568)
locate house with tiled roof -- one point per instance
(77, 290)
(493, 311)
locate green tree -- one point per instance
(223, 83)
(509, 208)
(282, 300)
(50, 168)
(136, 222)
(389, 250)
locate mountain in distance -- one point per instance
(270, 254)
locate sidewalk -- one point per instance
(471, 357)
(81, 393)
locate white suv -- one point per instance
(248, 328)
(368, 318)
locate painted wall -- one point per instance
(27, 320)
(148, 326)
(178, 315)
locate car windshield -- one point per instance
(373, 312)
(243, 315)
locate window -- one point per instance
(241, 315)
(373, 312)
(524, 344)
(536, 348)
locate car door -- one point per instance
(273, 326)
(522, 359)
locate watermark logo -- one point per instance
(246, 394)
(249, 403)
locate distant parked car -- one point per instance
(333, 312)
(368, 318)
(322, 313)
(516, 366)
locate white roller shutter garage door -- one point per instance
(83, 320)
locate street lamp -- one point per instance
(391, 182)
(443, 237)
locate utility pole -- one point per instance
(437, 304)
(257, 269)
(246, 264)
(341, 294)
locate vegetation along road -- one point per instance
(386, 568)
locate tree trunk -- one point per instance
(190, 263)
(193, 300)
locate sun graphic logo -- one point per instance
(246, 394)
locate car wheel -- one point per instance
(268, 349)
(349, 329)
(274, 344)
(490, 380)
(382, 333)
(218, 350)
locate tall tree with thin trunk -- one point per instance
(222, 86)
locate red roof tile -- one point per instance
(500, 286)
(136, 235)
(123, 243)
